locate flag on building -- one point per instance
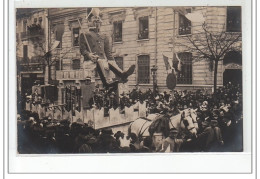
(166, 62)
(179, 62)
(55, 45)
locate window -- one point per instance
(75, 37)
(184, 25)
(119, 62)
(143, 69)
(184, 72)
(76, 64)
(234, 19)
(58, 65)
(118, 31)
(59, 33)
(25, 52)
(24, 25)
(143, 28)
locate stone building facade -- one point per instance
(142, 36)
(167, 28)
(30, 47)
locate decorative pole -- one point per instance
(154, 74)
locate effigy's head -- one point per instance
(94, 19)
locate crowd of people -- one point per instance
(219, 117)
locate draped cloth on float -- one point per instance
(129, 113)
(142, 109)
(114, 116)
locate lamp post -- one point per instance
(154, 74)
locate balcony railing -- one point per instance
(31, 67)
(32, 34)
(80, 74)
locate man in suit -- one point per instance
(95, 47)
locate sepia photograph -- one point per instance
(99, 80)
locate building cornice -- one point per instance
(65, 13)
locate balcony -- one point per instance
(80, 74)
(31, 68)
(32, 34)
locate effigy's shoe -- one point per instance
(111, 84)
(127, 73)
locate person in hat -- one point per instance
(100, 51)
(124, 101)
(107, 143)
(147, 145)
(172, 143)
(134, 142)
(210, 138)
(112, 101)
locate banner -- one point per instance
(166, 62)
(87, 94)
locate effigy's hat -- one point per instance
(93, 12)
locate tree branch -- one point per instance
(228, 46)
(197, 48)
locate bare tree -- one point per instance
(212, 45)
(50, 57)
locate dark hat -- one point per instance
(107, 131)
(119, 134)
(205, 123)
